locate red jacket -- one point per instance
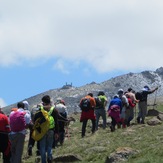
(4, 127)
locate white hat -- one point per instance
(26, 105)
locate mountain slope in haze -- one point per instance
(72, 95)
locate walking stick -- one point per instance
(154, 103)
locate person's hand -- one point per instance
(56, 136)
(156, 88)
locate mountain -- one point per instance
(72, 95)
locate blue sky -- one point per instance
(45, 44)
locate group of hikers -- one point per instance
(46, 121)
(120, 108)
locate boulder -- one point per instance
(121, 154)
(154, 121)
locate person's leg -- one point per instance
(17, 145)
(97, 117)
(31, 143)
(103, 114)
(49, 144)
(140, 112)
(42, 147)
(93, 125)
(113, 123)
(144, 111)
(5, 148)
(84, 124)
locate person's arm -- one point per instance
(153, 90)
(56, 129)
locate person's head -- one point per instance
(20, 105)
(129, 89)
(46, 100)
(116, 96)
(90, 94)
(120, 92)
(26, 105)
(146, 88)
(101, 93)
(60, 101)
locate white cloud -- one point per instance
(2, 103)
(106, 34)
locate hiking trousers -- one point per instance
(100, 113)
(17, 145)
(46, 144)
(142, 105)
(5, 147)
(84, 125)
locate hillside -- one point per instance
(139, 143)
(72, 95)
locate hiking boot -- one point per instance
(30, 151)
(118, 125)
(37, 153)
(49, 161)
(138, 119)
(142, 122)
(112, 128)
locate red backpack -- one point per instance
(17, 121)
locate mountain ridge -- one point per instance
(72, 95)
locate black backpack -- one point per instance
(139, 95)
(99, 103)
(85, 104)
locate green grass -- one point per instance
(148, 140)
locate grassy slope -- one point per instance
(95, 148)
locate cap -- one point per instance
(146, 88)
(26, 105)
(120, 91)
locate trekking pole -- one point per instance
(154, 103)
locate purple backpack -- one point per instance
(17, 121)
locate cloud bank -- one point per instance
(107, 35)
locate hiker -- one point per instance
(5, 146)
(87, 105)
(46, 142)
(124, 106)
(131, 93)
(101, 101)
(142, 105)
(19, 121)
(114, 109)
(130, 109)
(31, 141)
(62, 120)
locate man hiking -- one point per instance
(4, 139)
(142, 105)
(87, 105)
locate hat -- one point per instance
(120, 91)
(146, 88)
(59, 100)
(26, 105)
(115, 96)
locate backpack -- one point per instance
(85, 104)
(41, 125)
(139, 95)
(17, 121)
(99, 103)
